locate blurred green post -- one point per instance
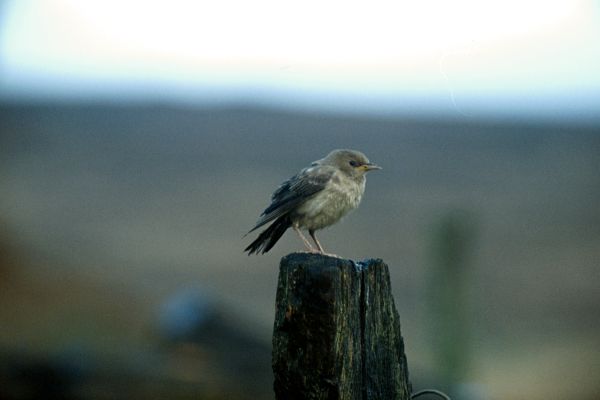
(452, 244)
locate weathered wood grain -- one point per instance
(337, 331)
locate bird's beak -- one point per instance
(370, 166)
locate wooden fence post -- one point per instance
(337, 331)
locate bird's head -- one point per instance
(351, 162)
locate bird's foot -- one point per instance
(312, 251)
(331, 255)
(316, 251)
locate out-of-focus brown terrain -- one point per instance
(110, 216)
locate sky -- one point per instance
(514, 57)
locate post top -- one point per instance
(326, 260)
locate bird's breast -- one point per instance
(340, 196)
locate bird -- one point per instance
(315, 198)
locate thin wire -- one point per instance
(430, 391)
(449, 88)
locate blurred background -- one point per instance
(139, 141)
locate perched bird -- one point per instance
(318, 196)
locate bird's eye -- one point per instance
(353, 163)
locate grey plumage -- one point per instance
(318, 196)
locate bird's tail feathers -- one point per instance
(267, 238)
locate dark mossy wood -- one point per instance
(337, 331)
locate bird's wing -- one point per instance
(296, 191)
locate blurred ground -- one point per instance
(108, 211)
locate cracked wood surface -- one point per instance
(337, 331)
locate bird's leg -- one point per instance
(311, 232)
(304, 239)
